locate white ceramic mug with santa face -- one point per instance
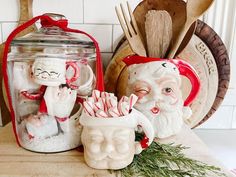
(52, 71)
(157, 83)
(109, 143)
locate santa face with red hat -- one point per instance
(157, 84)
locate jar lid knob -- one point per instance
(54, 20)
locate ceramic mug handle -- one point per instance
(88, 84)
(148, 130)
(76, 71)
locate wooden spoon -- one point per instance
(158, 27)
(194, 8)
(25, 15)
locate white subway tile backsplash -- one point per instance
(103, 11)
(117, 35)
(222, 119)
(230, 98)
(72, 9)
(234, 118)
(9, 10)
(102, 33)
(106, 57)
(7, 28)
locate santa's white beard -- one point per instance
(165, 123)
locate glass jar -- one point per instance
(49, 73)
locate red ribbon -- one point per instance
(62, 23)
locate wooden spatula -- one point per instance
(158, 27)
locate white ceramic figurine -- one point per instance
(41, 126)
(157, 83)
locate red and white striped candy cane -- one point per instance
(124, 109)
(113, 112)
(132, 100)
(96, 94)
(101, 113)
(88, 109)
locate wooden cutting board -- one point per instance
(218, 50)
(25, 15)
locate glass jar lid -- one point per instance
(52, 40)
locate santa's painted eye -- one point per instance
(164, 65)
(143, 91)
(167, 90)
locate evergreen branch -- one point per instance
(167, 160)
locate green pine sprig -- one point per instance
(167, 160)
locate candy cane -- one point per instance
(101, 113)
(132, 100)
(91, 99)
(96, 94)
(102, 103)
(112, 95)
(88, 109)
(126, 99)
(112, 102)
(91, 104)
(107, 101)
(119, 104)
(97, 106)
(124, 108)
(113, 112)
(104, 95)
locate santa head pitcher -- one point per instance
(157, 83)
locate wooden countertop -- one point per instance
(18, 162)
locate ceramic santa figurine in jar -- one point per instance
(157, 83)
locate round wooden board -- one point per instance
(206, 53)
(199, 56)
(219, 52)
